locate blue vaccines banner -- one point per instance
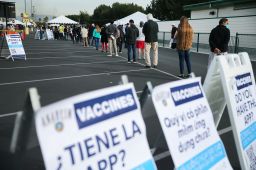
(188, 126)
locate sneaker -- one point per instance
(181, 76)
(110, 55)
(188, 76)
(134, 62)
(147, 67)
(117, 55)
(129, 62)
(155, 66)
(120, 52)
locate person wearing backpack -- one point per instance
(111, 32)
(120, 38)
(131, 36)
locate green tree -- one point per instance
(104, 14)
(74, 17)
(84, 17)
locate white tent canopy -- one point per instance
(62, 20)
(137, 17)
(15, 22)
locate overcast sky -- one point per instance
(65, 7)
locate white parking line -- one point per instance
(9, 114)
(161, 155)
(225, 130)
(52, 49)
(161, 71)
(62, 51)
(59, 65)
(88, 56)
(71, 77)
(15, 113)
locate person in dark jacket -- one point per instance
(111, 31)
(150, 30)
(219, 39)
(131, 36)
(120, 39)
(104, 39)
(173, 40)
(90, 35)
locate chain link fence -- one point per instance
(237, 43)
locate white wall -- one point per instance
(242, 25)
(229, 11)
(203, 14)
(222, 12)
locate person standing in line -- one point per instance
(150, 30)
(125, 30)
(97, 36)
(65, 33)
(78, 34)
(104, 39)
(120, 38)
(84, 33)
(131, 36)
(61, 32)
(173, 40)
(140, 43)
(90, 34)
(219, 39)
(111, 31)
(184, 37)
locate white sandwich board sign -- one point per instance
(188, 126)
(15, 46)
(99, 130)
(239, 88)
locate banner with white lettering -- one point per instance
(99, 130)
(244, 94)
(240, 92)
(15, 46)
(188, 126)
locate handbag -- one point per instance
(173, 45)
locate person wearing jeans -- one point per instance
(131, 36)
(131, 53)
(184, 55)
(97, 36)
(184, 37)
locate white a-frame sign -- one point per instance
(230, 80)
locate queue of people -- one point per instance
(139, 40)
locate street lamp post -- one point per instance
(25, 6)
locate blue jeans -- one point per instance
(131, 49)
(184, 55)
(97, 40)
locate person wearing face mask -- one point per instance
(219, 39)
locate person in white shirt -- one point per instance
(140, 43)
(84, 32)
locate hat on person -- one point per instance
(173, 24)
(150, 16)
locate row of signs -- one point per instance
(104, 129)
